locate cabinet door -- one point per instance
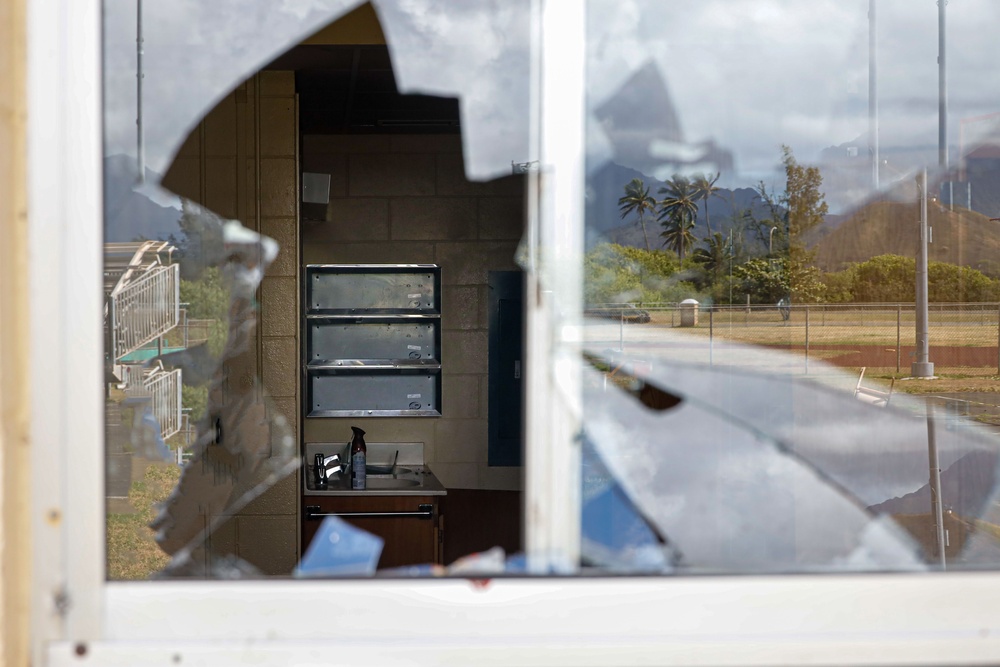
(408, 540)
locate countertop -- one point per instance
(405, 481)
(410, 477)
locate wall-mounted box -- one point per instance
(315, 188)
(372, 340)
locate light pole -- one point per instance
(770, 239)
(731, 253)
(873, 93)
(922, 366)
(943, 104)
(942, 89)
(140, 140)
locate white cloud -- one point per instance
(750, 74)
(754, 75)
(195, 53)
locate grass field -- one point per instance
(962, 328)
(964, 343)
(132, 552)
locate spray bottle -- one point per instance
(359, 456)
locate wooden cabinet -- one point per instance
(409, 540)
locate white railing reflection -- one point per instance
(143, 310)
(164, 389)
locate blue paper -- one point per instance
(340, 550)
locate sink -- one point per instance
(409, 478)
(386, 471)
(383, 483)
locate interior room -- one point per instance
(391, 192)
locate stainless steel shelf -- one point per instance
(373, 413)
(372, 340)
(358, 315)
(373, 289)
(385, 339)
(368, 365)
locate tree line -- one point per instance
(676, 212)
(763, 256)
(616, 274)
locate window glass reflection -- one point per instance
(764, 200)
(761, 181)
(216, 118)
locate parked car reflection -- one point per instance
(626, 312)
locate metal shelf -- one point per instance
(372, 340)
(357, 392)
(365, 316)
(367, 365)
(373, 289)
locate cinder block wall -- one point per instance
(241, 162)
(405, 199)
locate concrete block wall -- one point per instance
(398, 199)
(241, 162)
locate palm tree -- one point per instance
(637, 200)
(677, 235)
(704, 189)
(715, 254)
(678, 211)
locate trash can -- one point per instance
(689, 313)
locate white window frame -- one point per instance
(844, 619)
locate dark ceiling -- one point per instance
(351, 89)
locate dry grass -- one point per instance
(964, 380)
(961, 236)
(132, 552)
(958, 329)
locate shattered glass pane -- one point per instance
(200, 459)
(774, 197)
(753, 274)
(491, 78)
(215, 115)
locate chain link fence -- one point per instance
(964, 337)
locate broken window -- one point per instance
(754, 251)
(216, 118)
(754, 202)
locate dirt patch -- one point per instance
(879, 356)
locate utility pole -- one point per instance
(922, 366)
(934, 469)
(140, 140)
(942, 90)
(943, 102)
(873, 94)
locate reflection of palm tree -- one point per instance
(637, 200)
(677, 235)
(714, 255)
(677, 214)
(704, 189)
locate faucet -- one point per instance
(324, 466)
(319, 468)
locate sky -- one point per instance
(196, 52)
(754, 75)
(749, 74)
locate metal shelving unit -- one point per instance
(372, 340)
